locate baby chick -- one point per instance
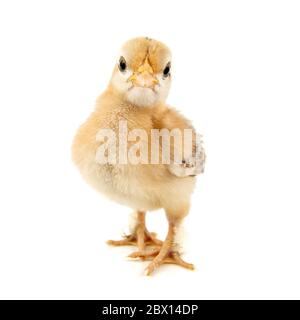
(136, 94)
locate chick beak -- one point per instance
(144, 77)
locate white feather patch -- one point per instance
(133, 221)
(178, 238)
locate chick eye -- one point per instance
(122, 64)
(167, 69)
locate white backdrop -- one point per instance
(236, 75)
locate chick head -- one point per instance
(142, 74)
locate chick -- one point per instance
(136, 94)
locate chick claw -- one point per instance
(143, 254)
(138, 239)
(171, 258)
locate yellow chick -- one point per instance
(111, 149)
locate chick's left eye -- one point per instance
(167, 69)
(122, 64)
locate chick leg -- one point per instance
(140, 236)
(167, 254)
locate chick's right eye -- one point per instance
(166, 71)
(122, 64)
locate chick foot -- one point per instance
(171, 257)
(140, 237)
(166, 254)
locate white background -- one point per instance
(236, 75)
